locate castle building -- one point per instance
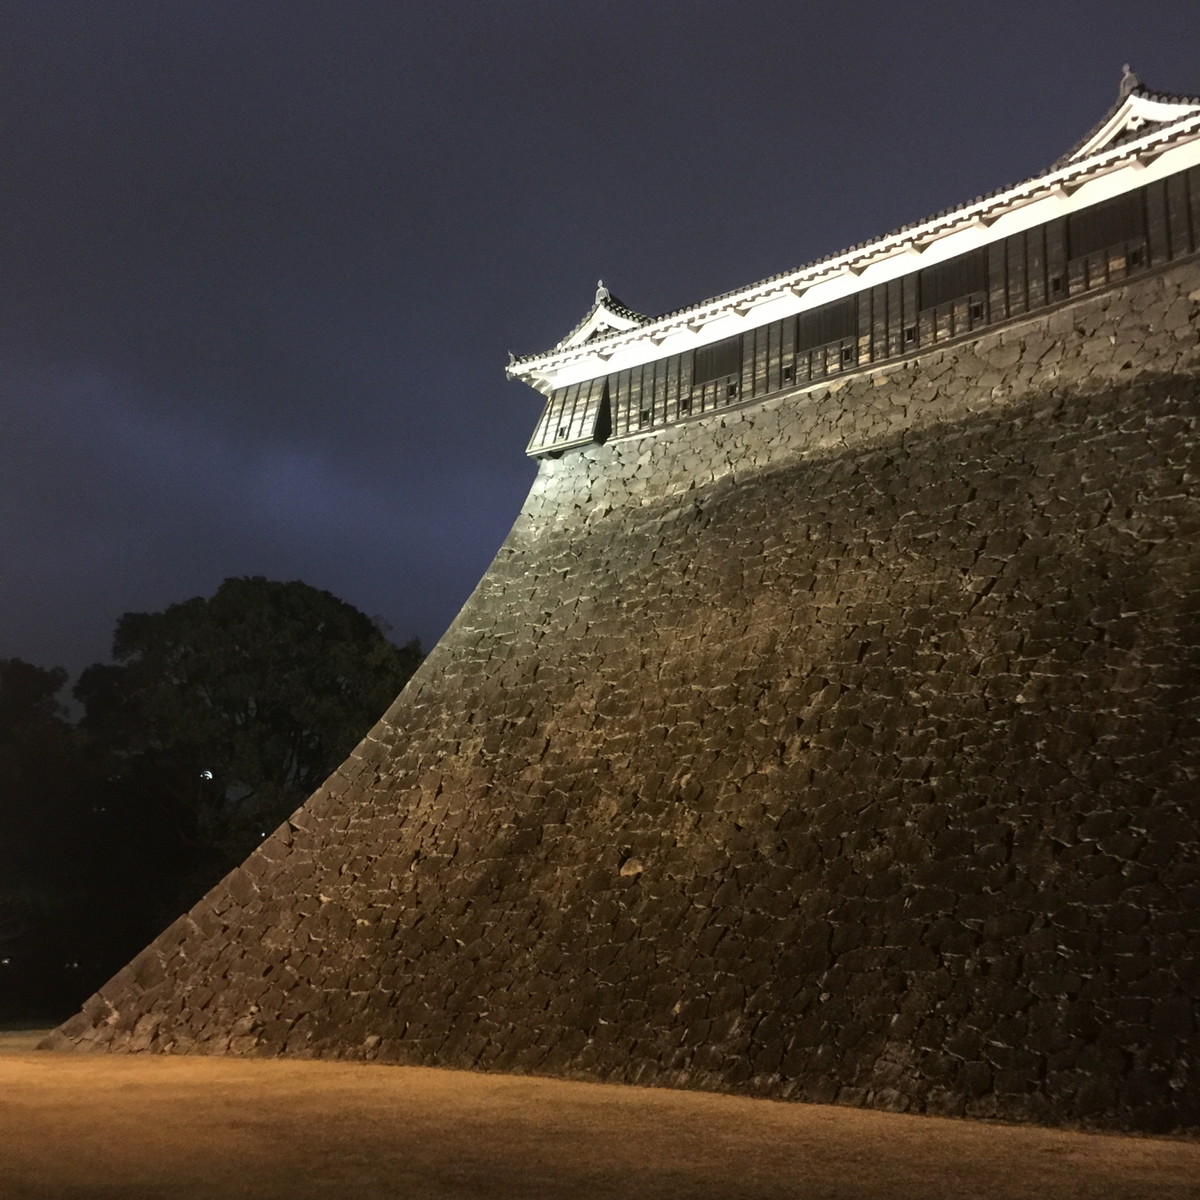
(1123, 201)
(827, 726)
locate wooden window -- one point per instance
(895, 317)
(865, 347)
(956, 277)
(671, 398)
(636, 403)
(829, 323)
(773, 332)
(1156, 223)
(1108, 224)
(756, 348)
(717, 361)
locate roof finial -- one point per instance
(602, 293)
(1129, 82)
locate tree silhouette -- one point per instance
(216, 721)
(242, 703)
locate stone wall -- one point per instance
(838, 748)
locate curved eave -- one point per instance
(1077, 184)
(1139, 105)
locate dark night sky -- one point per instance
(262, 262)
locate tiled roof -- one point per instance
(615, 305)
(1138, 89)
(609, 303)
(1058, 165)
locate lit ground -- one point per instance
(79, 1127)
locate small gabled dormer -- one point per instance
(1138, 111)
(606, 316)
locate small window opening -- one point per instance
(685, 406)
(848, 357)
(1137, 256)
(977, 311)
(731, 391)
(562, 431)
(910, 336)
(644, 417)
(1056, 284)
(789, 373)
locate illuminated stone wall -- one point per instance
(841, 748)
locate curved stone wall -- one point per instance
(839, 748)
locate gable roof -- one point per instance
(1137, 111)
(607, 315)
